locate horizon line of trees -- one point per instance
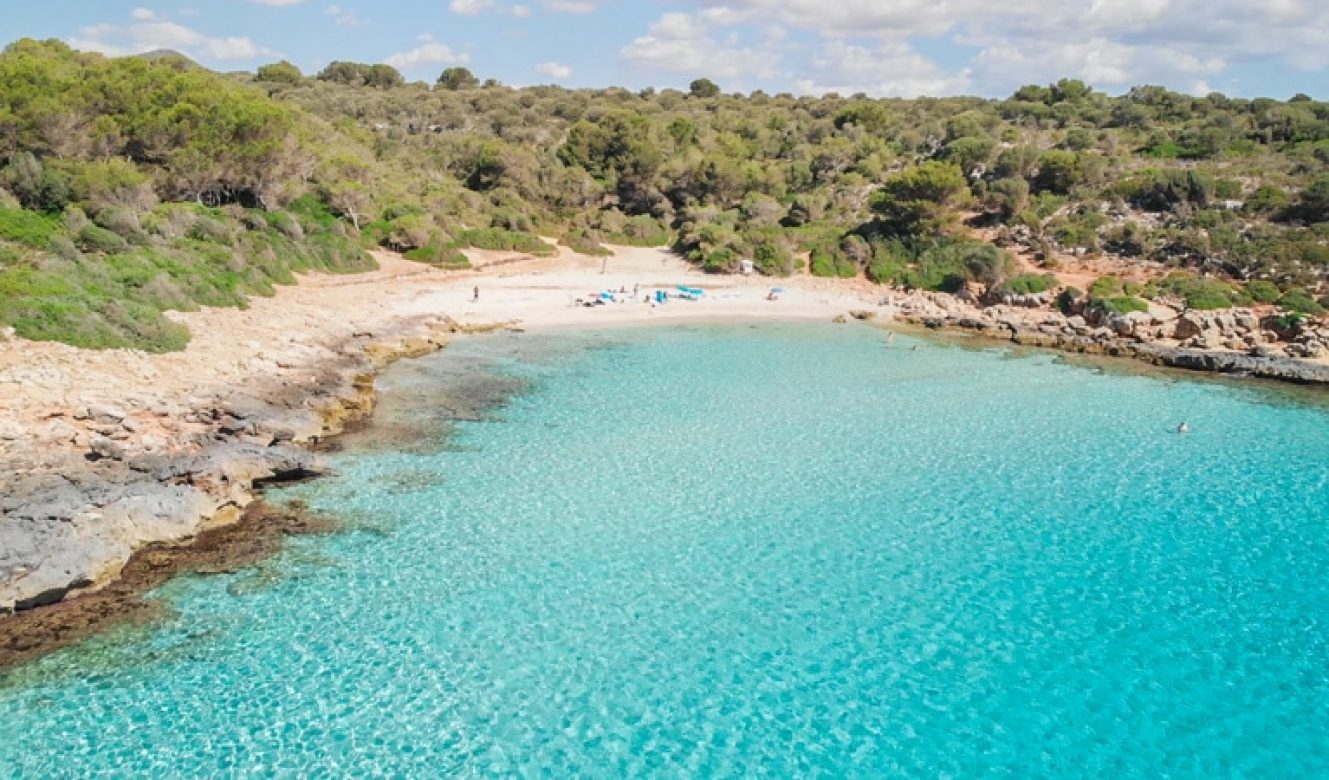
(182, 174)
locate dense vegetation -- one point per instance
(132, 186)
(135, 186)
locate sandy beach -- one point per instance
(285, 339)
(110, 461)
(104, 454)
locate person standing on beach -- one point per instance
(475, 295)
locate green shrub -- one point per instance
(1032, 284)
(641, 230)
(115, 297)
(27, 227)
(1268, 199)
(506, 240)
(9, 255)
(1299, 301)
(831, 264)
(941, 264)
(889, 261)
(771, 256)
(44, 306)
(206, 228)
(63, 247)
(821, 263)
(285, 224)
(98, 239)
(123, 223)
(1284, 323)
(720, 260)
(1202, 294)
(585, 241)
(1045, 204)
(1106, 287)
(1123, 304)
(439, 255)
(1208, 295)
(1227, 189)
(313, 214)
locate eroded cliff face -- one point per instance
(92, 485)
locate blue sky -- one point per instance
(883, 47)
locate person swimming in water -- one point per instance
(1184, 427)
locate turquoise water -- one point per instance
(781, 551)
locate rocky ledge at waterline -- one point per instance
(69, 522)
(1232, 342)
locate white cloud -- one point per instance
(149, 32)
(1111, 43)
(99, 46)
(470, 7)
(164, 35)
(554, 70)
(897, 18)
(888, 70)
(477, 7)
(432, 53)
(685, 43)
(345, 17)
(232, 49)
(572, 6)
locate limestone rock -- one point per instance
(106, 414)
(104, 447)
(58, 432)
(10, 430)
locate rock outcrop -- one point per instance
(1233, 341)
(103, 481)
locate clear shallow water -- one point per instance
(731, 550)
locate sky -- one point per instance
(885, 48)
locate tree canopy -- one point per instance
(458, 78)
(704, 88)
(361, 74)
(166, 178)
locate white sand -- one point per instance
(289, 336)
(540, 293)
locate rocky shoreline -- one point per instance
(95, 489)
(1235, 342)
(258, 533)
(74, 516)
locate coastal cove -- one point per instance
(688, 548)
(672, 389)
(183, 444)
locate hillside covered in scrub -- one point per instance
(133, 186)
